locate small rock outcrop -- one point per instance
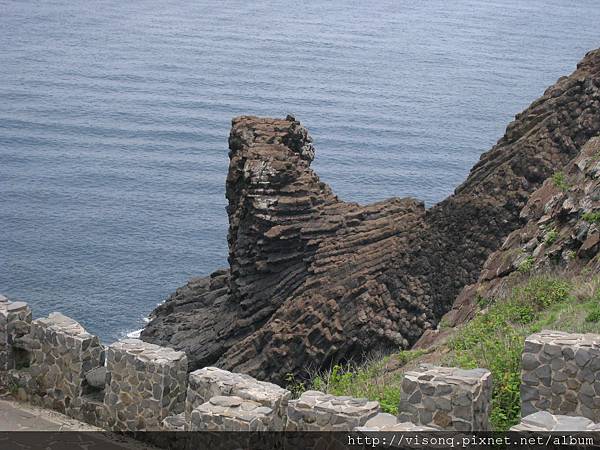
(314, 280)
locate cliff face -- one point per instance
(561, 233)
(303, 284)
(314, 280)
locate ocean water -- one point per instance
(114, 119)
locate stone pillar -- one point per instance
(447, 398)
(543, 421)
(559, 374)
(62, 353)
(211, 381)
(316, 411)
(146, 383)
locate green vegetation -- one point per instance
(370, 380)
(551, 237)
(373, 380)
(526, 265)
(592, 217)
(495, 340)
(560, 181)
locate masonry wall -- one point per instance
(135, 386)
(560, 374)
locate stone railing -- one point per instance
(132, 385)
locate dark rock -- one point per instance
(313, 280)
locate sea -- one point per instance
(114, 118)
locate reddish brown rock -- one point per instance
(315, 280)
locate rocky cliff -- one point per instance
(560, 234)
(314, 280)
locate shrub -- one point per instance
(542, 292)
(526, 265)
(593, 316)
(369, 380)
(592, 217)
(560, 181)
(551, 237)
(571, 255)
(296, 387)
(495, 341)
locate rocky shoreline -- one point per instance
(313, 280)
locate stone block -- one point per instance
(146, 383)
(65, 352)
(175, 422)
(231, 413)
(208, 382)
(559, 374)
(446, 398)
(316, 411)
(544, 421)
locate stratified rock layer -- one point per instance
(314, 280)
(303, 281)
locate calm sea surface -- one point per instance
(114, 118)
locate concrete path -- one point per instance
(16, 416)
(22, 417)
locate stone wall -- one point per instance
(15, 323)
(543, 421)
(146, 383)
(447, 398)
(210, 382)
(132, 385)
(316, 411)
(62, 352)
(559, 374)
(231, 413)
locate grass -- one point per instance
(560, 181)
(526, 265)
(373, 380)
(551, 237)
(495, 340)
(592, 217)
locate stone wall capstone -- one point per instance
(559, 374)
(543, 421)
(55, 362)
(447, 398)
(146, 384)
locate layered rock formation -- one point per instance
(314, 280)
(303, 284)
(561, 232)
